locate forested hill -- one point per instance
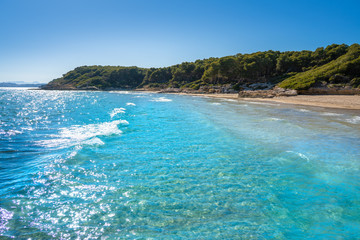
(332, 66)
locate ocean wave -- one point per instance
(304, 110)
(229, 100)
(121, 92)
(161, 99)
(130, 104)
(303, 156)
(86, 134)
(265, 103)
(216, 103)
(130, 93)
(94, 141)
(116, 111)
(274, 119)
(354, 120)
(331, 114)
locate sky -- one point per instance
(41, 39)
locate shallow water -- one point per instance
(140, 165)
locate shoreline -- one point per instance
(346, 102)
(350, 102)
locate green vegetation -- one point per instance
(334, 65)
(342, 70)
(101, 77)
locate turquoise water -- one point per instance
(130, 165)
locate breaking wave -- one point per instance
(331, 114)
(354, 120)
(161, 99)
(274, 119)
(116, 111)
(85, 134)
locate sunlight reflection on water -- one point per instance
(77, 164)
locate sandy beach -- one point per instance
(328, 101)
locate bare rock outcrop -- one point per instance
(170, 90)
(275, 92)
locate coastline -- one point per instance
(351, 102)
(347, 102)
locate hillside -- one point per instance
(345, 70)
(333, 66)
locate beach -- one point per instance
(328, 101)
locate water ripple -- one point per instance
(185, 169)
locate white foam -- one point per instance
(216, 103)
(304, 110)
(130, 92)
(116, 111)
(265, 103)
(354, 120)
(121, 92)
(275, 119)
(84, 134)
(123, 122)
(94, 141)
(229, 100)
(331, 114)
(161, 99)
(130, 104)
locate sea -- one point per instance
(137, 165)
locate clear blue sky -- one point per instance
(42, 39)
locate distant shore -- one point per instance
(328, 101)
